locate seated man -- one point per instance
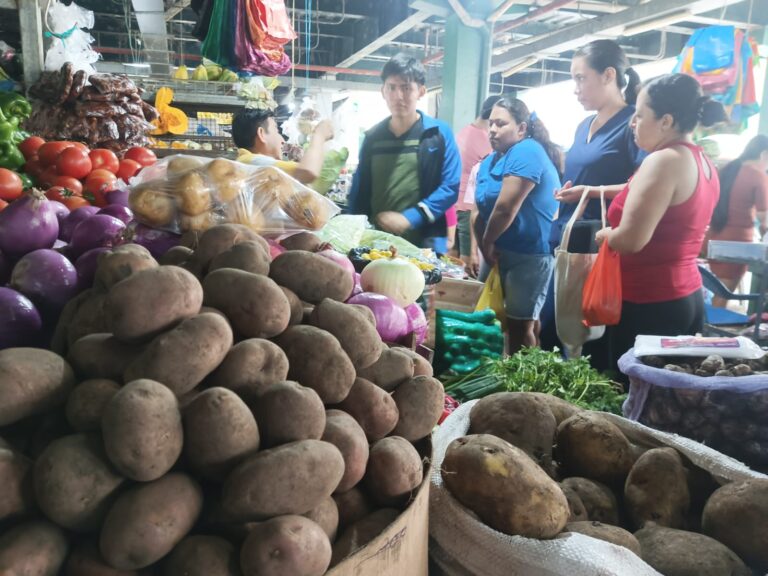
(260, 143)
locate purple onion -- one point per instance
(417, 322)
(391, 320)
(158, 242)
(61, 211)
(119, 197)
(356, 288)
(20, 322)
(47, 278)
(122, 213)
(86, 266)
(98, 230)
(28, 224)
(74, 218)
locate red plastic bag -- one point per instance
(601, 298)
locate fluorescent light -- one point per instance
(521, 65)
(656, 23)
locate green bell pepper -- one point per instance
(26, 181)
(16, 105)
(10, 156)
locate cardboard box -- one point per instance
(450, 294)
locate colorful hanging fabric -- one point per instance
(218, 45)
(264, 61)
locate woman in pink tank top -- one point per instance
(658, 222)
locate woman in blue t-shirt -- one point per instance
(514, 207)
(604, 153)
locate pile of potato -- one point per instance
(536, 466)
(732, 422)
(224, 416)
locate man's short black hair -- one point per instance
(246, 123)
(487, 107)
(403, 65)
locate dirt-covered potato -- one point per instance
(86, 560)
(657, 490)
(286, 546)
(420, 402)
(394, 471)
(521, 419)
(317, 360)
(249, 256)
(202, 556)
(86, 403)
(176, 256)
(121, 262)
(311, 277)
(17, 495)
(60, 341)
(393, 367)
(142, 430)
(612, 534)
(219, 432)
(75, 483)
(297, 307)
(249, 367)
(220, 239)
(343, 431)
(737, 516)
(589, 445)
(32, 381)
(362, 532)
(301, 241)
(88, 318)
(575, 505)
(496, 480)
(678, 553)
(353, 505)
(561, 409)
(290, 479)
(374, 409)
(287, 412)
(598, 500)
(421, 366)
(102, 356)
(34, 548)
(146, 522)
(253, 303)
(151, 301)
(352, 329)
(326, 515)
(183, 356)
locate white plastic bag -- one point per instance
(69, 41)
(738, 347)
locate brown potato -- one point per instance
(17, 495)
(249, 214)
(86, 560)
(561, 409)
(286, 546)
(374, 409)
(575, 505)
(290, 479)
(176, 256)
(152, 301)
(32, 381)
(421, 366)
(391, 369)
(302, 241)
(180, 164)
(317, 360)
(147, 521)
(737, 516)
(504, 487)
(192, 193)
(75, 483)
(121, 262)
(182, 357)
(357, 336)
(89, 318)
(678, 553)
(152, 205)
(353, 505)
(307, 208)
(343, 431)
(220, 239)
(394, 471)
(420, 402)
(202, 556)
(102, 356)
(362, 532)
(34, 548)
(249, 367)
(591, 446)
(254, 304)
(249, 256)
(326, 515)
(287, 412)
(657, 490)
(142, 430)
(219, 432)
(311, 277)
(199, 222)
(297, 307)
(60, 341)
(598, 500)
(612, 534)
(87, 401)
(231, 189)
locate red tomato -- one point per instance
(128, 169)
(143, 156)
(30, 146)
(82, 146)
(69, 183)
(45, 180)
(49, 151)
(106, 159)
(98, 183)
(74, 162)
(74, 202)
(66, 197)
(10, 185)
(34, 168)
(3, 205)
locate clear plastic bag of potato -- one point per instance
(194, 194)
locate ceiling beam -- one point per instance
(175, 8)
(570, 38)
(388, 36)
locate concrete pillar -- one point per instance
(31, 26)
(763, 127)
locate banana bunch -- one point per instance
(181, 73)
(200, 74)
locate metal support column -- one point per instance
(31, 26)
